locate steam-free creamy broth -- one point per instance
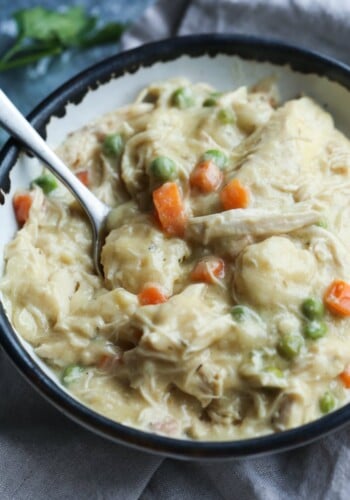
(223, 312)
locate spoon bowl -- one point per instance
(15, 123)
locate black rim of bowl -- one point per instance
(74, 90)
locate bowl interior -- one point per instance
(223, 71)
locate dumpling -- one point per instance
(137, 253)
(274, 273)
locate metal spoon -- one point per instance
(15, 123)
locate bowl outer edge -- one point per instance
(246, 47)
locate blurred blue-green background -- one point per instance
(26, 87)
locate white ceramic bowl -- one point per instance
(225, 62)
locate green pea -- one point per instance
(46, 182)
(290, 345)
(226, 116)
(163, 168)
(210, 102)
(183, 98)
(315, 329)
(327, 402)
(113, 145)
(71, 373)
(212, 99)
(312, 308)
(322, 223)
(274, 371)
(218, 157)
(238, 312)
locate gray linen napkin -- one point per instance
(321, 25)
(45, 456)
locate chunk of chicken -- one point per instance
(37, 271)
(252, 109)
(288, 411)
(248, 221)
(231, 409)
(178, 343)
(81, 149)
(108, 313)
(199, 321)
(269, 165)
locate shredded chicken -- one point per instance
(249, 221)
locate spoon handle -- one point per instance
(15, 123)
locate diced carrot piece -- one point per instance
(345, 377)
(152, 294)
(108, 362)
(22, 203)
(83, 176)
(170, 208)
(156, 219)
(208, 269)
(337, 298)
(103, 361)
(234, 195)
(206, 176)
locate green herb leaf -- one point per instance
(45, 33)
(29, 57)
(46, 25)
(110, 33)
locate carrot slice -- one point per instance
(22, 203)
(83, 176)
(170, 208)
(234, 195)
(206, 176)
(345, 377)
(337, 298)
(208, 269)
(152, 294)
